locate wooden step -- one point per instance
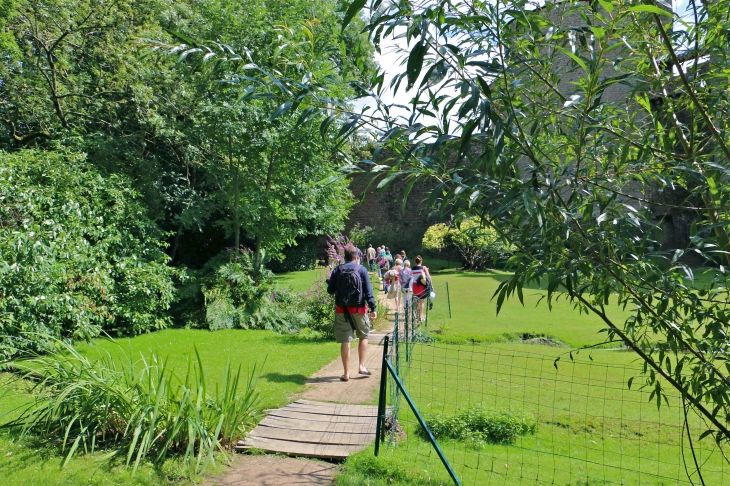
(315, 429)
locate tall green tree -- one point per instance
(87, 75)
(571, 129)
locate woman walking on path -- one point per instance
(383, 265)
(394, 283)
(379, 261)
(405, 282)
(420, 278)
(388, 258)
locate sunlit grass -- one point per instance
(591, 428)
(289, 361)
(474, 313)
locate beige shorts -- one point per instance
(344, 332)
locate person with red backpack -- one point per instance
(420, 285)
(350, 285)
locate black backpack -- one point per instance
(348, 291)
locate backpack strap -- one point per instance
(349, 318)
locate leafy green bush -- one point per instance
(477, 245)
(361, 237)
(320, 307)
(479, 424)
(140, 409)
(238, 295)
(301, 256)
(78, 254)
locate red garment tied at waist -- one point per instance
(340, 309)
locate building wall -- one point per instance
(397, 227)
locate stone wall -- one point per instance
(396, 227)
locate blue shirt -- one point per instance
(367, 289)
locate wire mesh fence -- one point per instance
(511, 414)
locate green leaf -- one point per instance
(652, 9)
(283, 108)
(352, 10)
(415, 63)
(607, 5)
(575, 58)
(349, 125)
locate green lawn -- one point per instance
(300, 281)
(591, 428)
(287, 362)
(474, 313)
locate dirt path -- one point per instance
(275, 471)
(324, 385)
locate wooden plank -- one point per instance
(335, 406)
(284, 413)
(301, 448)
(295, 424)
(342, 410)
(316, 437)
(303, 401)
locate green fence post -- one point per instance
(396, 340)
(448, 299)
(379, 433)
(406, 336)
(421, 421)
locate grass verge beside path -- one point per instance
(474, 313)
(290, 360)
(300, 281)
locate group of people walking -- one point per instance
(354, 300)
(400, 280)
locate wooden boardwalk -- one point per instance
(331, 429)
(315, 429)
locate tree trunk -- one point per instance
(236, 217)
(260, 232)
(175, 243)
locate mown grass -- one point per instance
(591, 428)
(288, 361)
(300, 281)
(474, 314)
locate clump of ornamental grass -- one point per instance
(140, 410)
(478, 425)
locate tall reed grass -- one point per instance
(139, 409)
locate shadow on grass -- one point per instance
(306, 336)
(298, 379)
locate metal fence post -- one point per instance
(448, 298)
(405, 333)
(396, 341)
(423, 424)
(380, 423)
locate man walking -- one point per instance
(371, 257)
(350, 285)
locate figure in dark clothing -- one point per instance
(347, 282)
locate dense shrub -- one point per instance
(320, 307)
(361, 237)
(478, 245)
(78, 254)
(478, 424)
(301, 256)
(140, 407)
(238, 295)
